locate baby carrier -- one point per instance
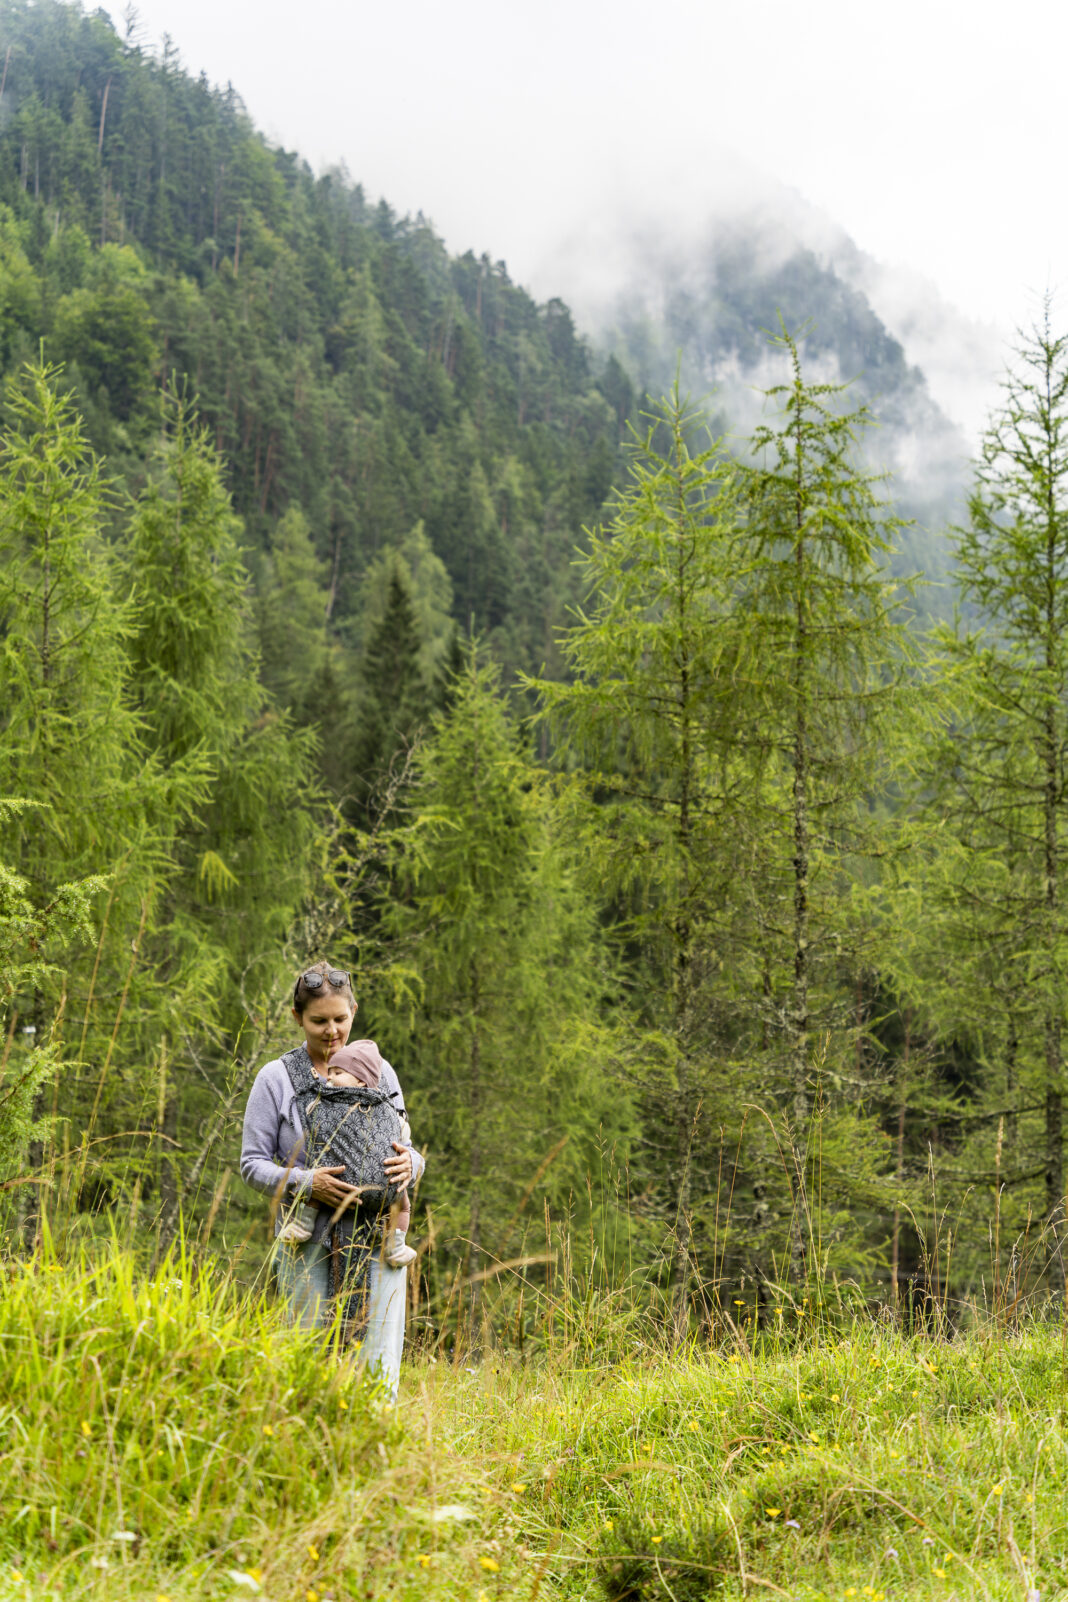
(354, 1126)
(350, 1124)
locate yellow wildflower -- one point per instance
(268, 1430)
(939, 1574)
(693, 1425)
(311, 1596)
(255, 1574)
(423, 1561)
(490, 1565)
(835, 1397)
(86, 1429)
(997, 1489)
(773, 1512)
(657, 1539)
(812, 1435)
(313, 1553)
(608, 1525)
(518, 1488)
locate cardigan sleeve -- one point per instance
(260, 1167)
(391, 1083)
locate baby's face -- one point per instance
(339, 1076)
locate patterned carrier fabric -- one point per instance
(351, 1125)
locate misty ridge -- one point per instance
(701, 295)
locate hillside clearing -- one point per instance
(167, 1437)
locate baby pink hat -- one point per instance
(362, 1059)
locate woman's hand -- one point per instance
(333, 1192)
(399, 1168)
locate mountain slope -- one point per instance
(703, 298)
(347, 365)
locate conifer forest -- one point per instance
(701, 865)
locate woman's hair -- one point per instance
(303, 992)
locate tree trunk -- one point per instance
(799, 1019)
(684, 1109)
(475, 1233)
(899, 1165)
(1052, 1021)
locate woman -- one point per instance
(272, 1155)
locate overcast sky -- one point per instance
(932, 131)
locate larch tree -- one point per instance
(70, 743)
(833, 679)
(650, 705)
(997, 899)
(243, 856)
(505, 1056)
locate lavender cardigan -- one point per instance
(272, 1145)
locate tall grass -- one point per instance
(167, 1435)
(565, 1436)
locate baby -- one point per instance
(360, 1064)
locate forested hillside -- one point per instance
(345, 364)
(710, 910)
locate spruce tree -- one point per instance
(393, 700)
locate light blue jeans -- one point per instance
(303, 1272)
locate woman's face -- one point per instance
(326, 1021)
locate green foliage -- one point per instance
(300, 664)
(345, 365)
(986, 960)
(106, 331)
(831, 684)
(751, 933)
(648, 705)
(506, 1061)
(394, 699)
(70, 740)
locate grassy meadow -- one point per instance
(165, 1437)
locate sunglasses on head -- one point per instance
(314, 980)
